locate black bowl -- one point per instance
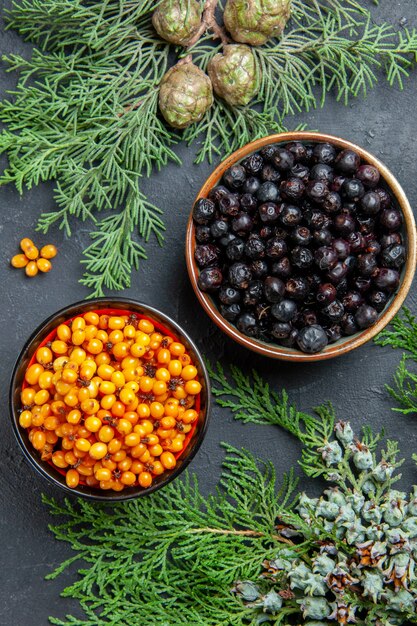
(36, 339)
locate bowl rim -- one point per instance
(95, 303)
(335, 349)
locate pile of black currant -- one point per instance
(300, 245)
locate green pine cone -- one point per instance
(234, 74)
(185, 94)
(255, 21)
(177, 21)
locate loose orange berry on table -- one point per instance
(49, 251)
(31, 269)
(19, 260)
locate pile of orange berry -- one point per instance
(33, 259)
(109, 400)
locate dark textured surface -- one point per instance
(385, 124)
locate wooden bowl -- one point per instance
(345, 344)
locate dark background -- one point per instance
(386, 124)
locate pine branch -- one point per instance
(175, 544)
(251, 400)
(402, 334)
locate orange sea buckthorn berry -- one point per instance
(115, 336)
(129, 331)
(107, 402)
(43, 265)
(177, 445)
(185, 359)
(103, 358)
(118, 379)
(78, 337)
(27, 396)
(69, 375)
(98, 450)
(107, 387)
(192, 387)
(137, 467)
(156, 449)
(145, 479)
(143, 410)
(49, 251)
(59, 347)
(32, 252)
(105, 434)
(63, 332)
(105, 371)
(175, 367)
(78, 323)
(93, 424)
(33, 372)
(189, 372)
(142, 338)
(168, 422)
(128, 478)
(85, 470)
(95, 346)
(90, 406)
(26, 243)
(127, 395)
(92, 318)
(176, 348)
(74, 416)
(25, 419)
(83, 444)
(44, 355)
(102, 473)
(163, 356)
(118, 456)
(79, 356)
(58, 459)
(90, 332)
(146, 384)
(162, 373)
(179, 393)
(31, 269)
(157, 409)
(124, 427)
(51, 422)
(146, 326)
(72, 478)
(19, 260)
(38, 440)
(114, 446)
(132, 439)
(116, 323)
(157, 468)
(118, 409)
(137, 350)
(103, 322)
(159, 388)
(189, 416)
(120, 350)
(168, 460)
(41, 396)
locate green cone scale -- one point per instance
(256, 21)
(185, 94)
(234, 74)
(177, 21)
